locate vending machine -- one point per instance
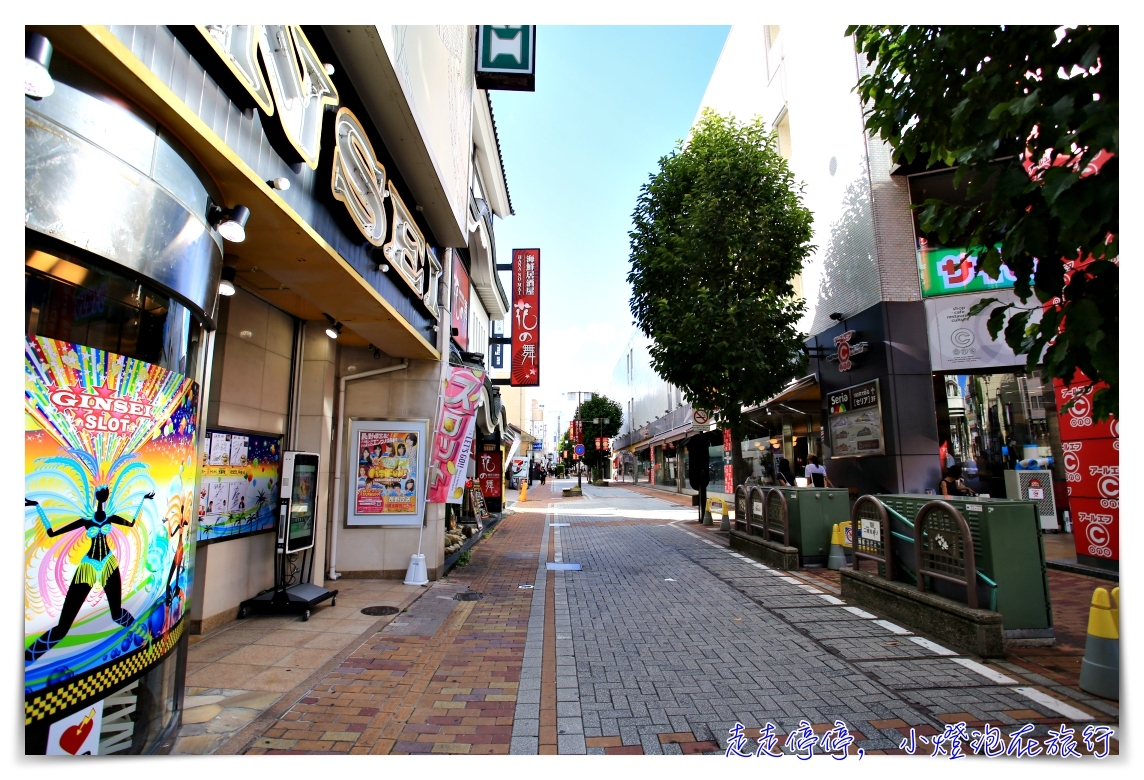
(293, 589)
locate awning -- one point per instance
(675, 434)
(804, 392)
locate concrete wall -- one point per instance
(250, 391)
(408, 394)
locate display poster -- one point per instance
(856, 421)
(109, 489)
(238, 492)
(460, 396)
(1091, 453)
(386, 472)
(952, 270)
(525, 317)
(728, 467)
(459, 308)
(460, 477)
(959, 342)
(490, 473)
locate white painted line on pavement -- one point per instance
(933, 646)
(830, 599)
(860, 612)
(1056, 705)
(810, 589)
(791, 580)
(761, 566)
(985, 671)
(893, 627)
(737, 555)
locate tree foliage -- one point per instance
(719, 234)
(1030, 116)
(602, 407)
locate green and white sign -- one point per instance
(952, 270)
(506, 57)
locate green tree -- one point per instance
(989, 100)
(719, 234)
(604, 408)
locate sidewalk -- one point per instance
(441, 679)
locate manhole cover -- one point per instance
(470, 595)
(379, 611)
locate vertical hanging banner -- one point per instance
(490, 475)
(453, 436)
(728, 468)
(525, 317)
(1092, 471)
(109, 488)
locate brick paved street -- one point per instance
(659, 645)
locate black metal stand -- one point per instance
(284, 598)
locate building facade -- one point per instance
(337, 185)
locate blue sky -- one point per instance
(609, 102)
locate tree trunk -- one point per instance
(738, 463)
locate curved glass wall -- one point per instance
(112, 370)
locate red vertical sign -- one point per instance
(459, 302)
(728, 468)
(490, 473)
(525, 317)
(1092, 470)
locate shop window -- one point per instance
(67, 296)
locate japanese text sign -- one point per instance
(525, 317)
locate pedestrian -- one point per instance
(952, 485)
(816, 473)
(785, 475)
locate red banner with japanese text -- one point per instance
(1092, 471)
(490, 473)
(525, 317)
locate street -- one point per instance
(661, 644)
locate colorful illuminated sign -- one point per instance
(109, 489)
(952, 270)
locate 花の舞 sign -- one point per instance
(525, 317)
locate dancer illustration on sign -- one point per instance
(98, 567)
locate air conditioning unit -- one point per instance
(1034, 485)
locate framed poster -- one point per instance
(239, 489)
(387, 486)
(856, 421)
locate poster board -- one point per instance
(856, 421)
(239, 485)
(480, 509)
(386, 472)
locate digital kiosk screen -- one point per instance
(303, 497)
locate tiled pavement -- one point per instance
(662, 642)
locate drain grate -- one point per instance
(469, 595)
(380, 611)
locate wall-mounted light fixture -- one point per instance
(226, 284)
(38, 81)
(836, 316)
(280, 183)
(334, 328)
(383, 267)
(230, 223)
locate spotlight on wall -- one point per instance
(38, 81)
(334, 328)
(281, 183)
(226, 285)
(837, 316)
(230, 223)
(383, 267)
